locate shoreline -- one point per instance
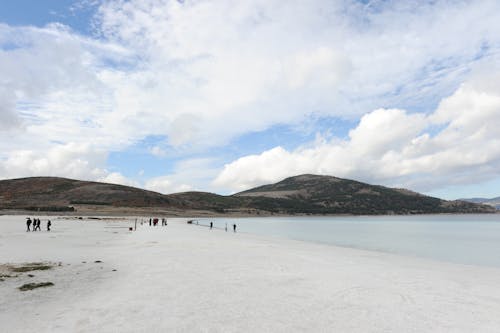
(152, 211)
(183, 278)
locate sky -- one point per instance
(222, 95)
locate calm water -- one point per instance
(466, 239)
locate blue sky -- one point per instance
(75, 14)
(221, 96)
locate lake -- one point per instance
(464, 239)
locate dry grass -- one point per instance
(31, 286)
(35, 266)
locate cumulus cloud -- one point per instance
(76, 161)
(395, 147)
(198, 171)
(214, 70)
(79, 161)
(165, 184)
(202, 73)
(118, 178)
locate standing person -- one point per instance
(150, 222)
(38, 225)
(234, 227)
(211, 225)
(28, 223)
(226, 226)
(48, 225)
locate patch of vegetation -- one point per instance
(89, 202)
(30, 267)
(31, 286)
(50, 208)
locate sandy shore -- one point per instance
(186, 278)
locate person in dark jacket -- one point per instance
(28, 223)
(48, 225)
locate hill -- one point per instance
(304, 194)
(60, 194)
(331, 195)
(494, 202)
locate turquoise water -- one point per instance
(464, 239)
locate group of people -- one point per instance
(35, 224)
(212, 225)
(154, 222)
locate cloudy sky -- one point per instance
(222, 95)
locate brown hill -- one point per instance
(52, 192)
(331, 195)
(304, 194)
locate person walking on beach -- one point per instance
(38, 225)
(226, 226)
(48, 225)
(149, 222)
(211, 225)
(28, 223)
(234, 227)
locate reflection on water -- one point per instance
(466, 239)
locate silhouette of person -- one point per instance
(211, 225)
(149, 222)
(38, 225)
(234, 227)
(226, 227)
(28, 223)
(48, 225)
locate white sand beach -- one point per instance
(187, 278)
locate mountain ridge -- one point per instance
(302, 194)
(494, 202)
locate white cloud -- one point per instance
(118, 178)
(203, 73)
(165, 185)
(199, 171)
(79, 161)
(396, 148)
(157, 151)
(217, 69)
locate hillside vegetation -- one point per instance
(304, 194)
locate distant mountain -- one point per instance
(304, 194)
(494, 202)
